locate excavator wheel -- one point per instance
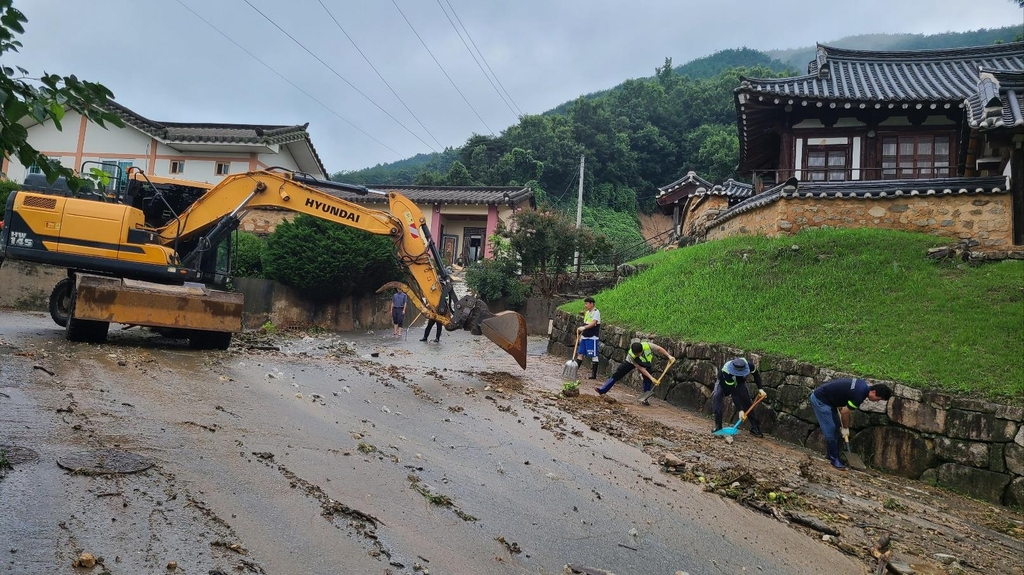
(209, 339)
(60, 301)
(84, 329)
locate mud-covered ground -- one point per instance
(359, 453)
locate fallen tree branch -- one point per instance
(811, 522)
(44, 370)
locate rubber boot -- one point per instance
(593, 371)
(755, 427)
(833, 454)
(607, 386)
(718, 422)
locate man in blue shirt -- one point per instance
(832, 402)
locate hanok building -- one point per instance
(693, 201)
(927, 141)
(460, 219)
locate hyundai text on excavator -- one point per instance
(125, 270)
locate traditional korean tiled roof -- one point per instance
(693, 185)
(733, 189)
(868, 190)
(949, 75)
(691, 178)
(480, 195)
(998, 101)
(840, 79)
(183, 132)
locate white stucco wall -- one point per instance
(283, 159)
(115, 140)
(46, 137)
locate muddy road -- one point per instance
(359, 453)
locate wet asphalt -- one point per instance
(324, 458)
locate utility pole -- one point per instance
(579, 213)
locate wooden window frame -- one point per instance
(225, 165)
(805, 170)
(180, 165)
(915, 134)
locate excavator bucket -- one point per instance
(508, 330)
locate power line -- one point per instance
(268, 67)
(459, 20)
(442, 68)
(378, 74)
(456, 28)
(335, 72)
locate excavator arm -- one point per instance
(218, 212)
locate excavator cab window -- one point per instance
(216, 264)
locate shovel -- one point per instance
(569, 371)
(853, 459)
(657, 382)
(733, 430)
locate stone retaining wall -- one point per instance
(987, 219)
(970, 446)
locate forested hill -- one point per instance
(640, 135)
(799, 57)
(714, 64)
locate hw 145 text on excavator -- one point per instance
(123, 267)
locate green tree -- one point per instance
(247, 259)
(518, 166)
(545, 243)
(324, 260)
(458, 175)
(497, 277)
(41, 99)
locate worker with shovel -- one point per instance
(832, 402)
(641, 358)
(732, 381)
(589, 335)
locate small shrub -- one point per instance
(6, 187)
(893, 504)
(571, 388)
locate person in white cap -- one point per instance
(732, 380)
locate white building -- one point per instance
(190, 151)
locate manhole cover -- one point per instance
(17, 455)
(104, 461)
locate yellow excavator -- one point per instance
(125, 270)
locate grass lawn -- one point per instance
(863, 301)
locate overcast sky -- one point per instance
(165, 63)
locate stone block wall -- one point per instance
(263, 222)
(985, 218)
(27, 286)
(267, 300)
(970, 446)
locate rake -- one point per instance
(647, 394)
(569, 371)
